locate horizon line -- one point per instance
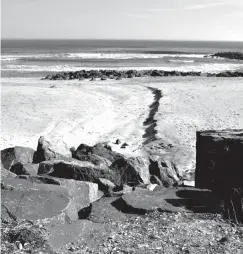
(114, 39)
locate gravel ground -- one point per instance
(173, 233)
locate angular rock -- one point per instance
(25, 169)
(105, 185)
(72, 169)
(40, 179)
(45, 203)
(93, 158)
(5, 172)
(17, 154)
(49, 149)
(103, 151)
(132, 171)
(151, 186)
(154, 179)
(165, 171)
(99, 149)
(83, 193)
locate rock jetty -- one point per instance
(228, 55)
(121, 74)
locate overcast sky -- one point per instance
(123, 19)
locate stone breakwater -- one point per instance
(120, 74)
(228, 55)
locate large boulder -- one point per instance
(165, 171)
(25, 169)
(79, 193)
(49, 149)
(93, 158)
(133, 170)
(99, 149)
(45, 203)
(82, 192)
(72, 169)
(219, 167)
(219, 159)
(17, 154)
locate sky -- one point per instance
(123, 19)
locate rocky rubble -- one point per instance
(119, 74)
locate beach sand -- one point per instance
(103, 111)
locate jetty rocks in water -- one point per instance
(120, 74)
(229, 55)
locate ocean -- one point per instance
(37, 58)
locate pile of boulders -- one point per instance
(76, 193)
(74, 178)
(120, 74)
(228, 55)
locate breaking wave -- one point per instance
(80, 56)
(202, 67)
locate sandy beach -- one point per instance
(91, 112)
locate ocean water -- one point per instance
(37, 58)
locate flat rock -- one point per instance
(82, 193)
(181, 199)
(38, 202)
(17, 154)
(50, 148)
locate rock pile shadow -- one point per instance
(197, 201)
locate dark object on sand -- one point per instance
(219, 167)
(118, 142)
(124, 145)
